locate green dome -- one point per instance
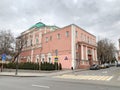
(38, 25)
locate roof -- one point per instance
(38, 25)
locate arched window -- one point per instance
(49, 58)
(37, 58)
(28, 59)
(42, 58)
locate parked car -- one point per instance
(118, 64)
(113, 64)
(102, 66)
(107, 65)
(94, 67)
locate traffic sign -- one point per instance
(56, 59)
(3, 57)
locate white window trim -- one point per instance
(46, 39)
(42, 57)
(37, 59)
(67, 33)
(49, 56)
(28, 59)
(58, 36)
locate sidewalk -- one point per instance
(32, 73)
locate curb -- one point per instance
(50, 74)
(21, 76)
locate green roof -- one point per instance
(38, 25)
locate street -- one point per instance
(57, 83)
(108, 74)
(37, 83)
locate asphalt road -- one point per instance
(42, 83)
(107, 71)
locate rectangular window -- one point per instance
(46, 39)
(42, 60)
(37, 41)
(81, 37)
(49, 60)
(31, 42)
(26, 43)
(58, 36)
(91, 41)
(56, 52)
(76, 46)
(40, 34)
(50, 38)
(67, 33)
(84, 37)
(88, 39)
(76, 34)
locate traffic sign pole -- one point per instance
(2, 67)
(3, 59)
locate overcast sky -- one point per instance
(99, 17)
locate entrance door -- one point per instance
(90, 59)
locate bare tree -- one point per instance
(7, 42)
(21, 41)
(105, 50)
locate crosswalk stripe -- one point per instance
(100, 77)
(86, 77)
(109, 78)
(104, 78)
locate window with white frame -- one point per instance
(46, 39)
(42, 58)
(67, 33)
(81, 36)
(85, 38)
(40, 34)
(50, 38)
(58, 36)
(76, 46)
(76, 34)
(49, 58)
(31, 42)
(37, 58)
(88, 39)
(27, 42)
(28, 59)
(37, 41)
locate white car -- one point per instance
(107, 65)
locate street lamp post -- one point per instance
(16, 72)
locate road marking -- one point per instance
(100, 78)
(109, 78)
(40, 86)
(86, 77)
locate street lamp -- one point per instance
(16, 73)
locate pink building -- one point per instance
(118, 52)
(71, 46)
